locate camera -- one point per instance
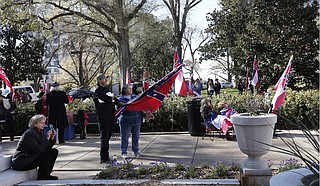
(50, 127)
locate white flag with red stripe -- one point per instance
(5, 79)
(180, 86)
(280, 88)
(128, 81)
(254, 81)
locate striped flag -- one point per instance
(280, 87)
(180, 86)
(254, 81)
(127, 77)
(5, 79)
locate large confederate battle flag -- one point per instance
(151, 99)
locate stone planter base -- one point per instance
(253, 177)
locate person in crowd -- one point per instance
(41, 89)
(57, 114)
(226, 110)
(211, 117)
(217, 87)
(105, 103)
(198, 85)
(250, 87)
(210, 87)
(7, 108)
(27, 97)
(35, 149)
(129, 121)
(41, 105)
(240, 87)
(17, 96)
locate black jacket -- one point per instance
(105, 106)
(4, 111)
(31, 144)
(56, 109)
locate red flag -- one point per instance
(5, 79)
(180, 86)
(151, 99)
(254, 81)
(280, 87)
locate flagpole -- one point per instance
(172, 111)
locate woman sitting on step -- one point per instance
(35, 149)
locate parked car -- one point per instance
(26, 88)
(226, 85)
(80, 93)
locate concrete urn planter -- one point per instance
(250, 131)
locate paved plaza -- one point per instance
(79, 158)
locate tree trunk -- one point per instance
(124, 54)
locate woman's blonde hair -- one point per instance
(222, 104)
(35, 119)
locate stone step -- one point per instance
(10, 177)
(5, 163)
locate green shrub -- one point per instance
(171, 116)
(300, 105)
(22, 115)
(173, 113)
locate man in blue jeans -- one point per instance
(129, 121)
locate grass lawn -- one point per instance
(231, 91)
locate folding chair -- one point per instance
(210, 131)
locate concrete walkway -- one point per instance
(79, 158)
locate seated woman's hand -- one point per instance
(49, 134)
(53, 134)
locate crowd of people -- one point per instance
(213, 88)
(51, 111)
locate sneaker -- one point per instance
(136, 154)
(124, 156)
(106, 164)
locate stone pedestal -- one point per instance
(253, 177)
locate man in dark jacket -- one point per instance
(57, 114)
(6, 113)
(105, 107)
(35, 149)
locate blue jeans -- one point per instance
(130, 122)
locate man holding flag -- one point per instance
(280, 88)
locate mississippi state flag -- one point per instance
(255, 72)
(280, 88)
(180, 86)
(5, 79)
(151, 99)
